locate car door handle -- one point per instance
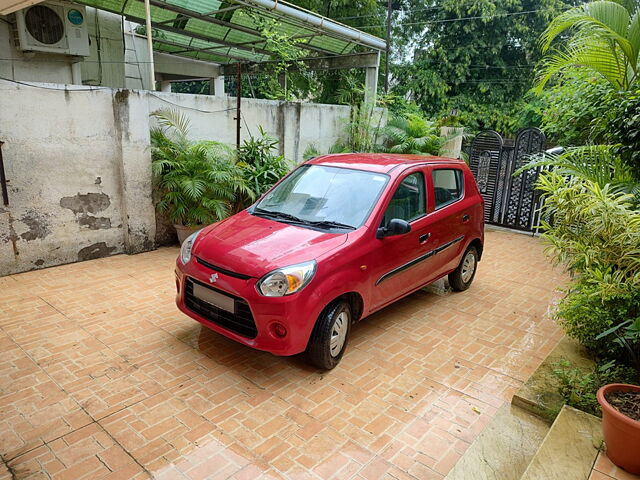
(465, 218)
(424, 237)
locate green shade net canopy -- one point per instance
(227, 32)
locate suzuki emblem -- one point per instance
(213, 278)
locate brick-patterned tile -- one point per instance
(102, 377)
(33, 409)
(87, 453)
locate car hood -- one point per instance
(253, 246)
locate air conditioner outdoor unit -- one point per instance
(53, 27)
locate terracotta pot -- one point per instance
(621, 433)
(183, 232)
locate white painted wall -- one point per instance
(79, 167)
(296, 124)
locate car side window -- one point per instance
(408, 201)
(448, 186)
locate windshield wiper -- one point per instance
(281, 215)
(329, 224)
(302, 221)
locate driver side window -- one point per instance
(408, 202)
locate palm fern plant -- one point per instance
(604, 36)
(413, 134)
(198, 180)
(598, 164)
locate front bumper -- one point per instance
(297, 312)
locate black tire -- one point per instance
(319, 347)
(457, 277)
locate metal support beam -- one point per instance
(238, 100)
(232, 26)
(338, 62)
(235, 7)
(310, 19)
(196, 49)
(187, 34)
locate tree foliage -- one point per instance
(474, 58)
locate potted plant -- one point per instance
(621, 404)
(198, 181)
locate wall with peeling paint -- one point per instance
(79, 166)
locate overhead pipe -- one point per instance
(323, 23)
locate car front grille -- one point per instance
(240, 321)
(222, 270)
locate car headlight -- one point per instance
(187, 246)
(287, 280)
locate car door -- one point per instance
(398, 263)
(450, 215)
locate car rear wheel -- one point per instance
(330, 335)
(460, 279)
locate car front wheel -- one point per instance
(460, 279)
(330, 335)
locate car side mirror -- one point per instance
(396, 226)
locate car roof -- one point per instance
(379, 162)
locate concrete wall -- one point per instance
(295, 124)
(79, 167)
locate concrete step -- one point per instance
(539, 395)
(504, 448)
(569, 450)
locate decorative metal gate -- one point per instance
(510, 201)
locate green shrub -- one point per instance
(592, 227)
(261, 167)
(199, 181)
(579, 387)
(586, 312)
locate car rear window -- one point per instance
(448, 186)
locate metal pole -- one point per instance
(238, 96)
(3, 180)
(152, 73)
(388, 49)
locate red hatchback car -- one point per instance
(337, 239)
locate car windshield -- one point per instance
(324, 197)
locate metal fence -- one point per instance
(510, 201)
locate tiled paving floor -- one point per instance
(605, 470)
(101, 376)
